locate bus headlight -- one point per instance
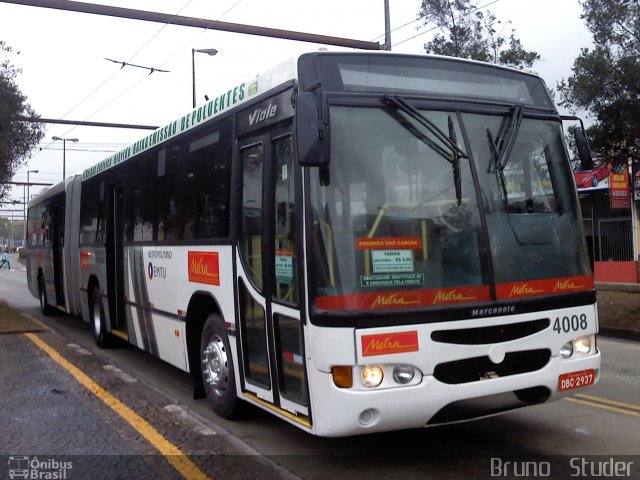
(582, 345)
(567, 349)
(371, 376)
(403, 374)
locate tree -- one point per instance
(606, 79)
(17, 138)
(467, 32)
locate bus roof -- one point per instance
(247, 90)
(220, 104)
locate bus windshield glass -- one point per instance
(400, 222)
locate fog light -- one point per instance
(368, 416)
(567, 350)
(371, 376)
(403, 374)
(582, 345)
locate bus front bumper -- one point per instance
(344, 411)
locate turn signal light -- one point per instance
(342, 376)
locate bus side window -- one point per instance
(285, 240)
(252, 211)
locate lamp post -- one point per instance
(25, 204)
(64, 152)
(28, 184)
(209, 51)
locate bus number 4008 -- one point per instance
(570, 324)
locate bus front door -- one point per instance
(271, 334)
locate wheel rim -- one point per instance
(215, 366)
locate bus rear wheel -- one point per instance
(42, 296)
(98, 319)
(216, 365)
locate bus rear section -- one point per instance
(52, 247)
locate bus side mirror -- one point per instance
(584, 152)
(312, 137)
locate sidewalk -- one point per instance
(13, 321)
(619, 310)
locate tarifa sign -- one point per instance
(220, 104)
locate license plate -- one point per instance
(584, 378)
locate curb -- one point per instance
(620, 333)
(618, 287)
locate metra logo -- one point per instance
(524, 289)
(204, 267)
(391, 301)
(451, 296)
(262, 114)
(563, 285)
(387, 343)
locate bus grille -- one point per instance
(482, 368)
(487, 335)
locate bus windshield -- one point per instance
(402, 223)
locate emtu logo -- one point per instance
(156, 272)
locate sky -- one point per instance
(65, 74)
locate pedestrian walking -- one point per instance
(5, 260)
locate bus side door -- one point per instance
(271, 333)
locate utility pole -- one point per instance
(387, 27)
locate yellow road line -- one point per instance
(600, 405)
(606, 400)
(172, 453)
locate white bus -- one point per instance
(356, 242)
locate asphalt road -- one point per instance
(583, 436)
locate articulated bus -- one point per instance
(356, 242)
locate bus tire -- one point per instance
(45, 308)
(216, 366)
(98, 319)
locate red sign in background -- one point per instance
(619, 192)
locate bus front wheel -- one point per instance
(216, 365)
(98, 319)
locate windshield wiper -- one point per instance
(455, 161)
(501, 148)
(499, 171)
(447, 145)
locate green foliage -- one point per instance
(606, 79)
(17, 138)
(466, 32)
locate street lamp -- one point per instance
(64, 152)
(25, 203)
(28, 184)
(209, 51)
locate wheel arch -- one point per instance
(92, 283)
(201, 305)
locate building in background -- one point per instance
(609, 213)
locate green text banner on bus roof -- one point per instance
(226, 101)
